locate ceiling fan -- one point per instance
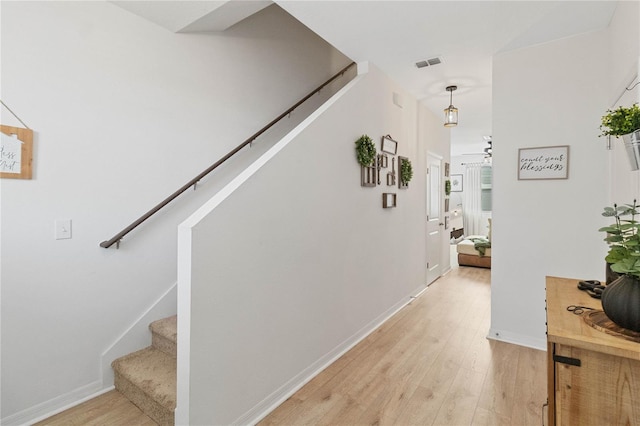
(486, 152)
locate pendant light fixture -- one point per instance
(451, 112)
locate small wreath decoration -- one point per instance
(406, 171)
(365, 150)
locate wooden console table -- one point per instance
(593, 378)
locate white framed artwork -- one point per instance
(545, 162)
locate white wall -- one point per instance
(124, 112)
(312, 264)
(625, 55)
(551, 94)
(624, 48)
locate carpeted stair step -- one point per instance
(164, 335)
(148, 379)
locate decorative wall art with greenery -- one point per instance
(406, 172)
(366, 155)
(365, 150)
(447, 192)
(371, 164)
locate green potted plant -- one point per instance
(624, 122)
(621, 298)
(365, 151)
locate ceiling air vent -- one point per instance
(428, 62)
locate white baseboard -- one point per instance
(517, 339)
(263, 408)
(56, 405)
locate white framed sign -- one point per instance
(456, 183)
(389, 145)
(545, 162)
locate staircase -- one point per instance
(148, 377)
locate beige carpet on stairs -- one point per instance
(148, 377)
(165, 335)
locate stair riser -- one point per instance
(157, 412)
(163, 344)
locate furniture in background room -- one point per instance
(457, 233)
(468, 255)
(593, 377)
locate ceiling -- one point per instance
(396, 34)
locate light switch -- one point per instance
(63, 229)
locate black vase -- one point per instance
(621, 302)
(611, 275)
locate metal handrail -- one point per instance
(118, 237)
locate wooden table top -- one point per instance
(567, 328)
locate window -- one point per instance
(485, 188)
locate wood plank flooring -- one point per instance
(111, 408)
(430, 364)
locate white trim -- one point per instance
(263, 408)
(183, 361)
(56, 405)
(517, 339)
(427, 176)
(420, 290)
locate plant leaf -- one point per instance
(609, 229)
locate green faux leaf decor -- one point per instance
(365, 150)
(406, 171)
(621, 121)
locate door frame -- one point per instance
(430, 155)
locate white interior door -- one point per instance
(435, 219)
